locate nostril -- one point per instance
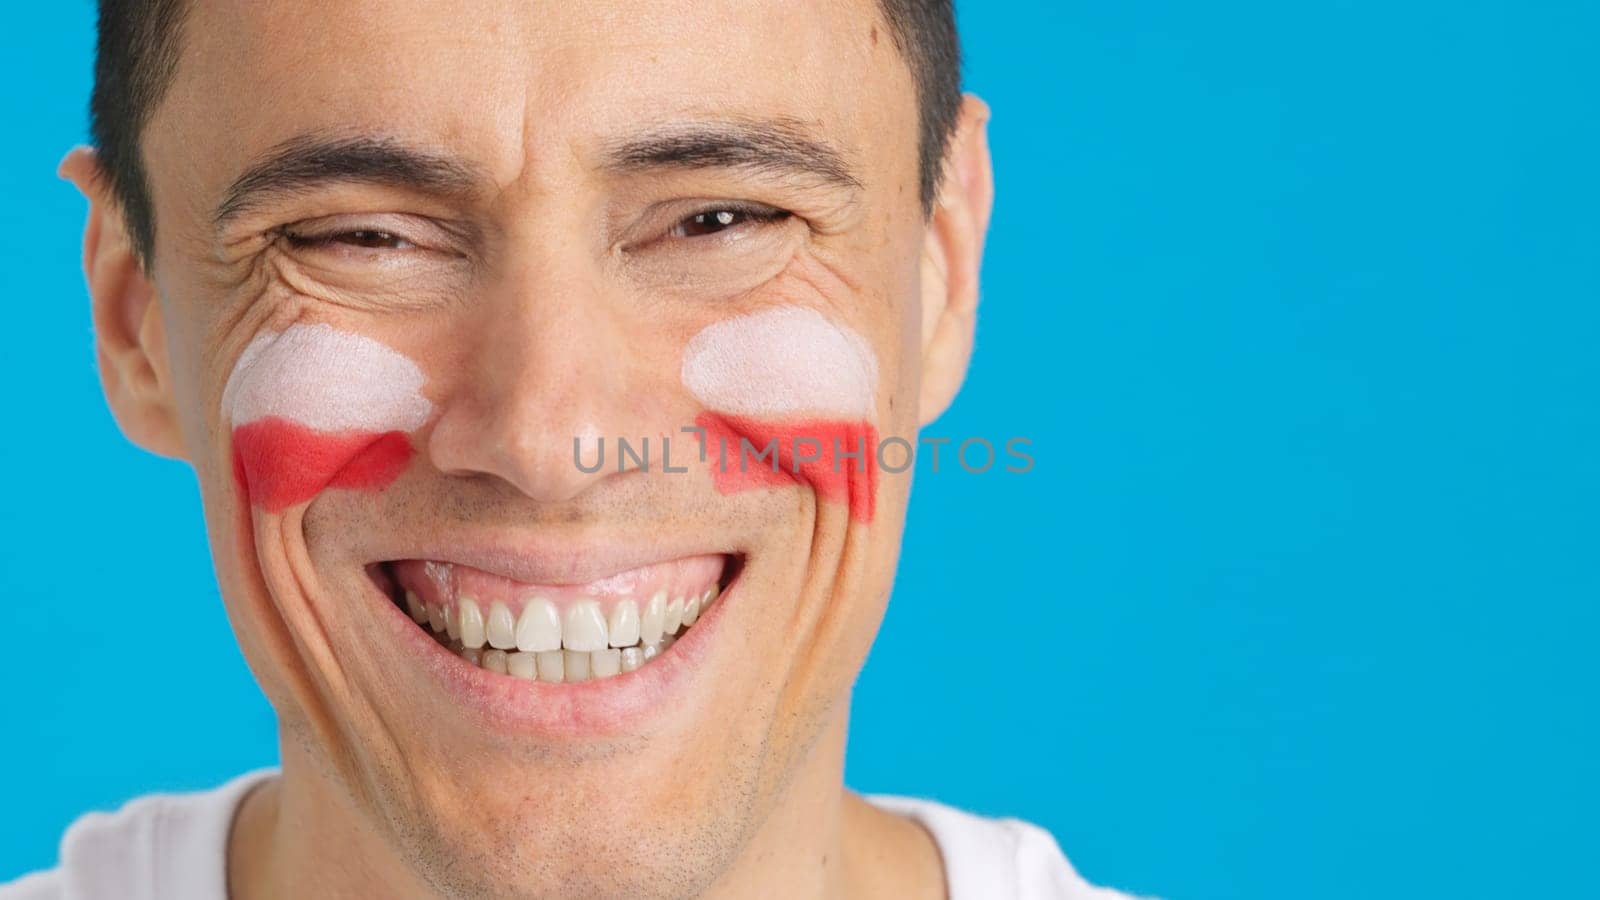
(540, 458)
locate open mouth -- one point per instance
(559, 633)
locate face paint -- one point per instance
(313, 407)
(793, 381)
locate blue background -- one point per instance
(1299, 305)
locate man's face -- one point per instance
(553, 226)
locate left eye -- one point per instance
(715, 221)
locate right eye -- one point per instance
(362, 238)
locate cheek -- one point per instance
(837, 459)
(314, 408)
(279, 463)
(790, 398)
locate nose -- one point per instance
(543, 362)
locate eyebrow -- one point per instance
(774, 147)
(311, 161)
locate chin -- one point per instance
(532, 710)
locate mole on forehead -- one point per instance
(782, 361)
(326, 379)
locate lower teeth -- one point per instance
(564, 666)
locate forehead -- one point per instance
(518, 85)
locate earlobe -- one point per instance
(130, 336)
(951, 259)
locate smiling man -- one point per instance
(466, 315)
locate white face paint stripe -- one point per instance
(328, 380)
(782, 362)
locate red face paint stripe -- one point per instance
(833, 475)
(279, 463)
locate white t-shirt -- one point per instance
(174, 847)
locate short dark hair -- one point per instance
(136, 55)
(139, 42)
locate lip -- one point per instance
(568, 561)
(615, 705)
(440, 582)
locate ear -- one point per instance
(951, 256)
(130, 337)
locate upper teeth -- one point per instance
(539, 626)
(546, 643)
(470, 629)
(502, 628)
(584, 628)
(652, 623)
(623, 627)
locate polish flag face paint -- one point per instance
(780, 363)
(790, 380)
(313, 407)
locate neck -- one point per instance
(799, 844)
(820, 840)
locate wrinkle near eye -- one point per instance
(714, 268)
(377, 280)
(812, 280)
